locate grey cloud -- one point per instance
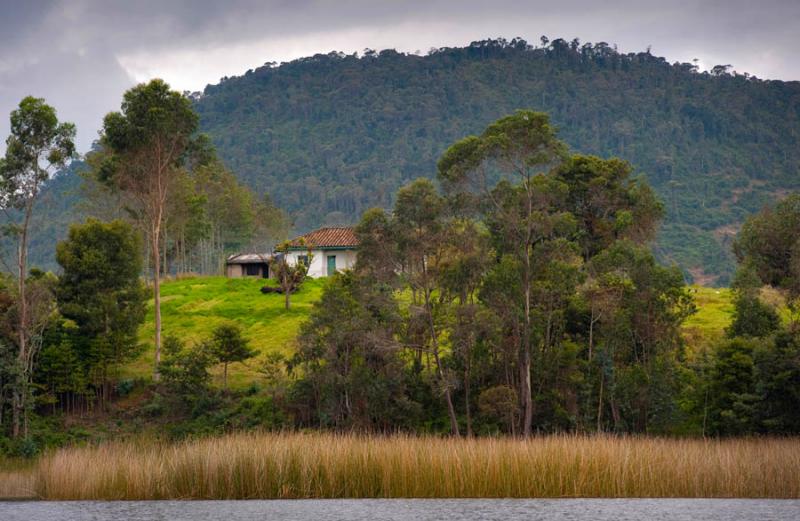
(75, 53)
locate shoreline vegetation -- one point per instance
(319, 465)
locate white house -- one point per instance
(332, 249)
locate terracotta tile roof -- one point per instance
(331, 237)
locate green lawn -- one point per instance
(192, 307)
(714, 314)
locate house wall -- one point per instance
(238, 270)
(345, 259)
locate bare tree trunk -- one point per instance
(466, 401)
(451, 410)
(527, 392)
(19, 414)
(600, 404)
(156, 297)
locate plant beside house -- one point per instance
(289, 276)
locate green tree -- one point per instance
(638, 338)
(289, 276)
(229, 346)
(769, 242)
(608, 203)
(776, 367)
(101, 292)
(521, 147)
(351, 370)
(732, 401)
(37, 146)
(146, 145)
(499, 405)
(186, 370)
(421, 232)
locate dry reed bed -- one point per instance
(18, 484)
(351, 466)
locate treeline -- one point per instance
(208, 215)
(333, 135)
(534, 304)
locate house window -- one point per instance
(303, 259)
(252, 270)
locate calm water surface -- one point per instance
(407, 510)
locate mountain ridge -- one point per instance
(333, 134)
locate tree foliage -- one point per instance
(100, 291)
(37, 146)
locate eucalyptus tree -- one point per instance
(421, 234)
(522, 210)
(146, 144)
(37, 146)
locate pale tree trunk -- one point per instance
(467, 400)
(156, 297)
(451, 410)
(19, 415)
(525, 369)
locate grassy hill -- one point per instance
(192, 307)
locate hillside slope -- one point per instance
(332, 135)
(192, 307)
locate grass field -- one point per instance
(192, 307)
(714, 314)
(287, 465)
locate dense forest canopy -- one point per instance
(332, 135)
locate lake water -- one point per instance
(407, 510)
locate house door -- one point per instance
(331, 264)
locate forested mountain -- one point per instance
(331, 135)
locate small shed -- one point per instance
(248, 265)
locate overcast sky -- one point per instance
(81, 55)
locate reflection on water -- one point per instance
(408, 510)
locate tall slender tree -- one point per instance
(146, 144)
(37, 147)
(422, 232)
(518, 148)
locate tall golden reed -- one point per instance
(353, 466)
(16, 484)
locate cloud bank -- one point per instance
(82, 55)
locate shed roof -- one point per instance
(330, 237)
(249, 258)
